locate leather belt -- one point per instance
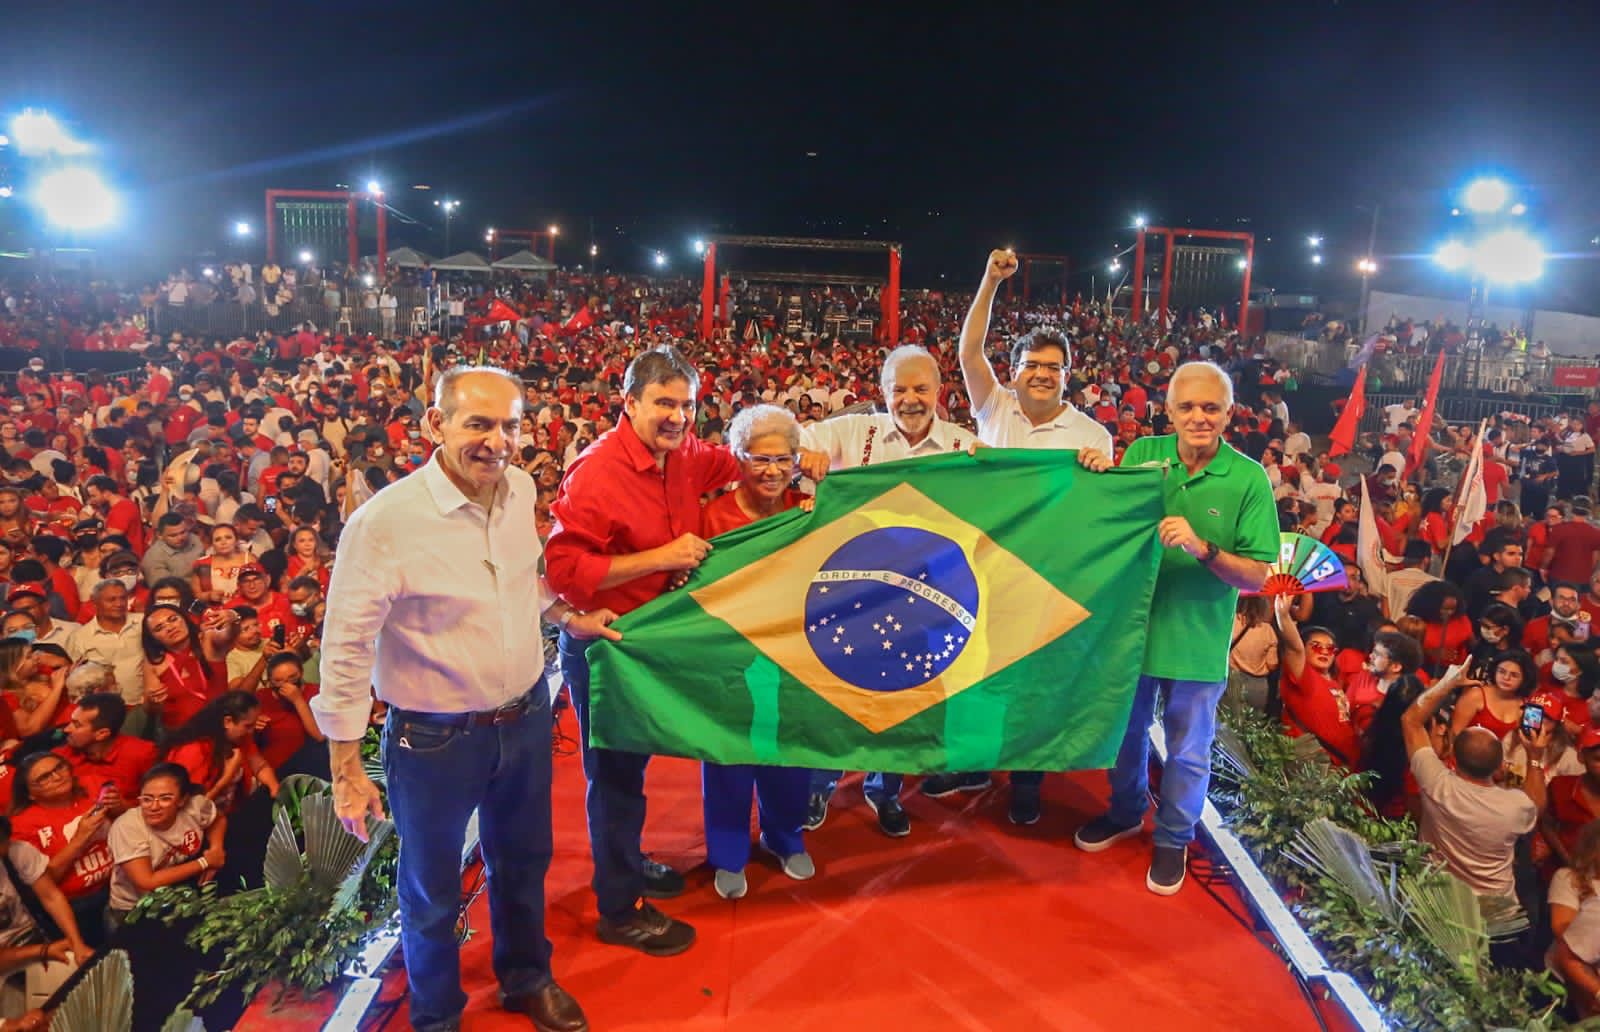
(516, 709)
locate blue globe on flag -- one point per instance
(892, 608)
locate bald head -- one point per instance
(1478, 753)
(464, 380)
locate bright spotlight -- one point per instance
(208, 272)
(1115, 265)
(5, 141)
(699, 247)
(661, 259)
(1366, 266)
(241, 229)
(555, 230)
(1316, 259)
(1453, 255)
(1242, 264)
(594, 250)
(1519, 209)
(1486, 196)
(305, 257)
(1314, 241)
(368, 279)
(37, 133)
(375, 188)
(76, 198)
(1509, 256)
(1139, 222)
(5, 191)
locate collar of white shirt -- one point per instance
(447, 496)
(939, 438)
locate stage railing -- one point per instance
(1510, 372)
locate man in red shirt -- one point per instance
(628, 523)
(271, 607)
(121, 513)
(100, 753)
(1570, 549)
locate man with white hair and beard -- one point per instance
(910, 429)
(1030, 412)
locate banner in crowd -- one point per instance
(949, 613)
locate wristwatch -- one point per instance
(1212, 551)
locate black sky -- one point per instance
(1044, 126)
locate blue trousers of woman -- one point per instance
(780, 794)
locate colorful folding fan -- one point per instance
(1303, 564)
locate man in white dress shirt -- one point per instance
(1031, 412)
(433, 604)
(910, 429)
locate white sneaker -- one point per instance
(798, 866)
(730, 884)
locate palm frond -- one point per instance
(102, 1001)
(1232, 755)
(1503, 917)
(373, 765)
(1344, 858)
(1307, 749)
(183, 1020)
(1445, 911)
(331, 851)
(292, 791)
(378, 833)
(283, 865)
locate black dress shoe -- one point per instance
(661, 881)
(552, 1009)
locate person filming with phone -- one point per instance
(1471, 820)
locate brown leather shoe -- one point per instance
(552, 1009)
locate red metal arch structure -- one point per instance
(350, 197)
(532, 236)
(1166, 266)
(891, 291)
(1027, 262)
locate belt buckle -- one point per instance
(509, 712)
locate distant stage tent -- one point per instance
(466, 261)
(408, 258)
(525, 261)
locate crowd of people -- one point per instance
(168, 536)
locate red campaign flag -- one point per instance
(499, 311)
(581, 319)
(1343, 437)
(1077, 305)
(1419, 440)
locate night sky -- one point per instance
(951, 132)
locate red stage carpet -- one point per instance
(969, 923)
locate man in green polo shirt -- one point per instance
(1220, 532)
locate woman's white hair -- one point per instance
(1210, 369)
(759, 421)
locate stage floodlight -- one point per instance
(1486, 196)
(1453, 255)
(37, 133)
(305, 257)
(76, 198)
(1508, 256)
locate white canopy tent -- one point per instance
(466, 261)
(407, 258)
(525, 261)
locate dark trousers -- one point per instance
(438, 773)
(615, 800)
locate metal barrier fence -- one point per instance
(1458, 408)
(1513, 373)
(230, 318)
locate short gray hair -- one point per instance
(87, 677)
(102, 585)
(1210, 369)
(905, 353)
(759, 421)
(444, 391)
(658, 365)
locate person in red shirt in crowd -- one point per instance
(1344, 513)
(185, 666)
(1565, 604)
(1496, 704)
(1539, 535)
(1437, 506)
(101, 754)
(308, 557)
(50, 550)
(1574, 800)
(272, 607)
(287, 732)
(1495, 476)
(181, 417)
(217, 747)
(1313, 702)
(121, 513)
(1571, 549)
(158, 384)
(39, 415)
(628, 523)
(1447, 631)
(53, 812)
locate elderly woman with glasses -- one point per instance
(766, 440)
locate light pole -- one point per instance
(1368, 266)
(449, 208)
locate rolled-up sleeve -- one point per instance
(359, 598)
(575, 557)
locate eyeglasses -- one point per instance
(1322, 646)
(770, 461)
(60, 770)
(154, 800)
(1054, 368)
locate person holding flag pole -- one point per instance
(1473, 500)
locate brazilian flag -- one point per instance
(949, 613)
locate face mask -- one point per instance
(128, 580)
(1562, 671)
(413, 434)
(26, 634)
(1490, 635)
(300, 609)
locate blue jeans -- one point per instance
(1190, 722)
(878, 787)
(780, 801)
(438, 773)
(615, 800)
